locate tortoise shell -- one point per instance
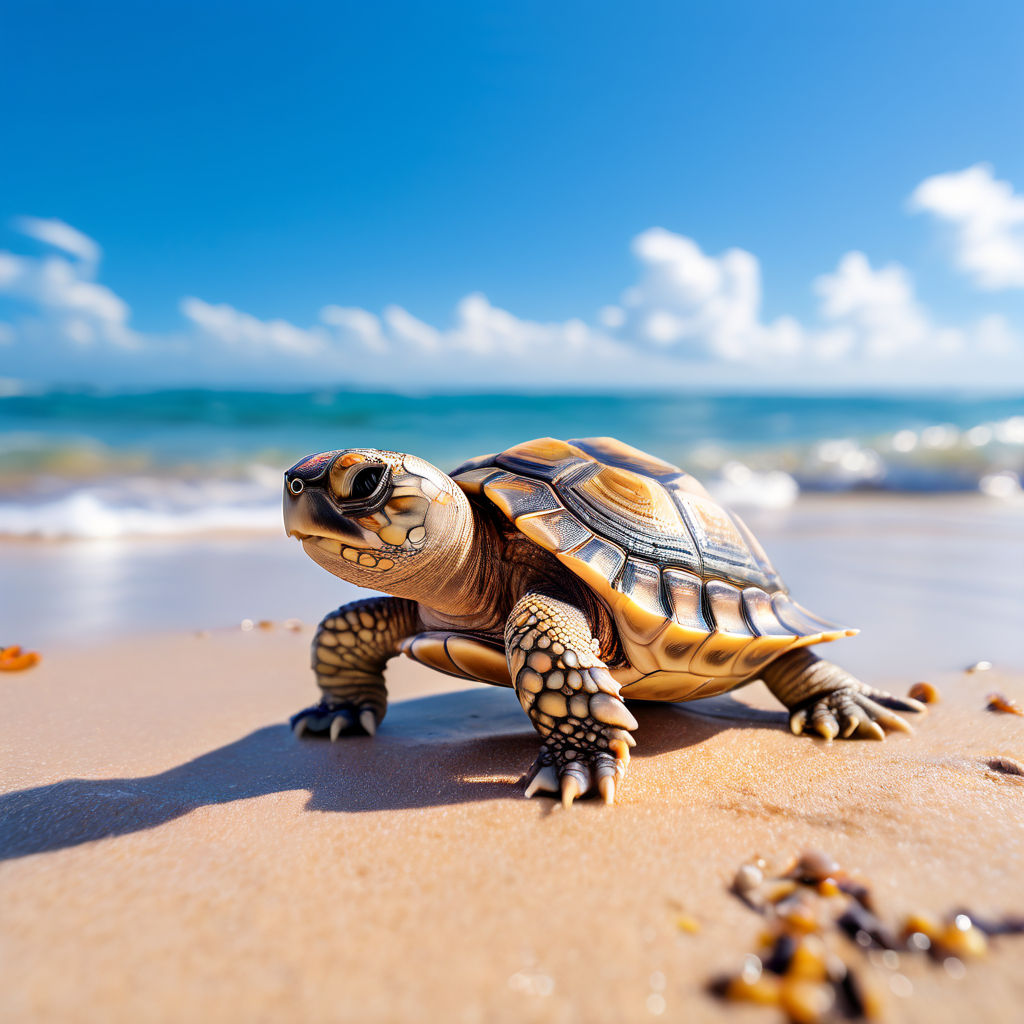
(698, 606)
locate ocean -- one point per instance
(88, 464)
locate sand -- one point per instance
(171, 852)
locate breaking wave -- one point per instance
(181, 464)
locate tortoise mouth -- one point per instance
(313, 515)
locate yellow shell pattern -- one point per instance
(698, 606)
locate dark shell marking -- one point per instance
(698, 605)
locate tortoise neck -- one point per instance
(454, 591)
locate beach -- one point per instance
(172, 852)
(598, 353)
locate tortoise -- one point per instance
(581, 573)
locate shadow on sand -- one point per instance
(445, 749)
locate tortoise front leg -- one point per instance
(571, 698)
(350, 649)
(826, 699)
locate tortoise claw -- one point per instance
(333, 721)
(545, 779)
(849, 712)
(588, 772)
(570, 790)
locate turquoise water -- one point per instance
(107, 464)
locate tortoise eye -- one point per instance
(358, 484)
(366, 481)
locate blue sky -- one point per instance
(307, 193)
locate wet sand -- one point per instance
(171, 852)
(934, 582)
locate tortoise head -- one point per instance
(378, 519)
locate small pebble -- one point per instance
(963, 942)
(1005, 766)
(980, 666)
(806, 1002)
(779, 889)
(265, 624)
(860, 998)
(751, 969)
(808, 960)
(247, 625)
(815, 866)
(923, 925)
(748, 878)
(687, 923)
(781, 956)
(1000, 702)
(14, 659)
(763, 990)
(925, 693)
(293, 625)
(801, 917)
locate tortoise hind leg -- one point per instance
(571, 698)
(824, 698)
(350, 649)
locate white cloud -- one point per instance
(875, 312)
(67, 301)
(74, 307)
(483, 329)
(698, 305)
(59, 235)
(234, 328)
(987, 219)
(406, 329)
(874, 317)
(479, 330)
(356, 326)
(690, 317)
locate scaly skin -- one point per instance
(350, 649)
(571, 698)
(826, 699)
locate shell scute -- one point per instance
(557, 531)
(599, 562)
(727, 609)
(760, 614)
(641, 583)
(520, 496)
(472, 480)
(723, 550)
(634, 511)
(545, 457)
(613, 452)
